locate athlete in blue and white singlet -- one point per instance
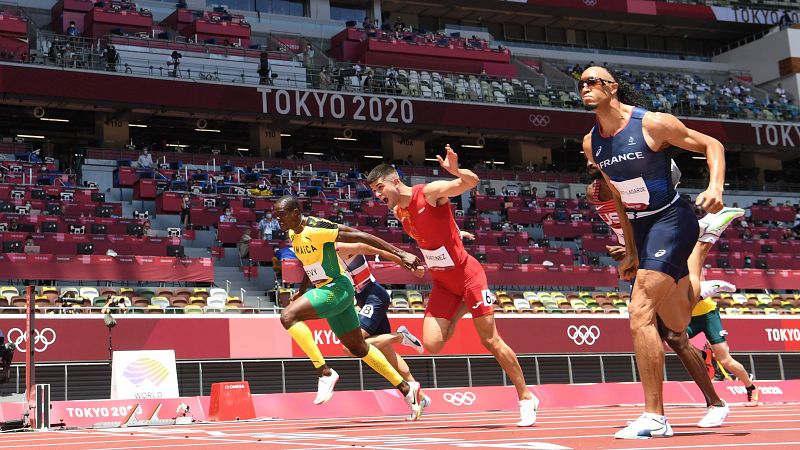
(664, 225)
(632, 147)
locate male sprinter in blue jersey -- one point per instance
(632, 147)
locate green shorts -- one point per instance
(334, 302)
(710, 324)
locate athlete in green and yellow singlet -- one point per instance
(333, 298)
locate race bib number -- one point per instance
(315, 273)
(437, 258)
(488, 297)
(367, 311)
(634, 193)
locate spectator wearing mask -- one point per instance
(267, 225)
(145, 160)
(227, 217)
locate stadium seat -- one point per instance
(192, 309)
(161, 302)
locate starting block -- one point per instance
(231, 401)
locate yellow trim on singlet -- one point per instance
(705, 306)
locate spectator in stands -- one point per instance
(112, 58)
(244, 245)
(308, 56)
(147, 229)
(30, 245)
(368, 81)
(13, 225)
(115, 305)
(484, 76)
(145, 160)
(267, 225)
(175, 62)
(357, 71)
(72, 30)
(264, 71)
(227, 217)
(780, 91)
(186, 207)
(796, 226)
(70, 304)
(391, 79)
(786, 20)
(325, 82)
(399, 25)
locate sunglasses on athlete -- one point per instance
(592, 82)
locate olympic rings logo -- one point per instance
(41, 339)
(539, 120)
(590, 2)
(581, 335)
(460, 398)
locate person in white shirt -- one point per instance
(227, 216)
(145, 160)
(267, 225)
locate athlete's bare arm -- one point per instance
(629, 264)
(439, 192)
(348, 234)
(348, 249)
(665, 130)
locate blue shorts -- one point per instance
(666, 239)
(374, 302)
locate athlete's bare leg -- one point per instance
(505, 356)
(436, 331)
(384, 342)
(693, 362)
(695, 263)
(650, 292)
(723, 355)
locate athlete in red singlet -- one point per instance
(459, 282)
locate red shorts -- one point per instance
(466, 285)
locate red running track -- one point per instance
(766, 426)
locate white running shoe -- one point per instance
(713, 287)
(714, 417)
(646, 426)
(713, 225)
(426, 401)
(325, 387)
(527, 411)
(409, 339)
(414, 399)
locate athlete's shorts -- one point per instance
(334, 302)
(465, 284)
(666, 239)
(709, 324)
(374, 302)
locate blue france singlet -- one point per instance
(642, 176)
